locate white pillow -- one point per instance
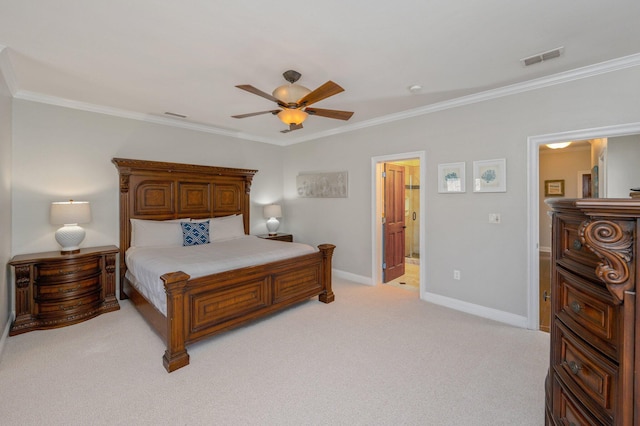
(155, 233)
(227, 228)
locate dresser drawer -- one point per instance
(69, 307)
(571, 251)
(66, 271)
(587, 374)
(63, 291)
(589, 310)
(569, 411)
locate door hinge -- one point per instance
(384, 266)
(384, 174)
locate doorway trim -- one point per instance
(376, 215)
(533, 189)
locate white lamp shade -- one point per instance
(70, 212)
(272, 210)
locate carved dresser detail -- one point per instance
(54, 290)
(595, 330)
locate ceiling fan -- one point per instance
(294, 100)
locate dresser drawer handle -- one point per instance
(63, 272)
(577, 245)
(69, 290)
(573, 366)
(66, 308)
(575, 307)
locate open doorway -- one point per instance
(403, 221)
(536, 191)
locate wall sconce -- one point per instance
(272, 212)
(70, 214)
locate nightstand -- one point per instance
(55, 290)
(279, 237)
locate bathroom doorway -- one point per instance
(412, 215)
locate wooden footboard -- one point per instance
(209, 305)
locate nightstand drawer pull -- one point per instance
(63, 272)
(575, 307)
(577, 244)
(68, 290)
(574, 367)
(66, 308)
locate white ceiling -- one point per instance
(149, 56)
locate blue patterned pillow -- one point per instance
(195, 233)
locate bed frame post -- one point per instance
(176, 355)
(327, 252)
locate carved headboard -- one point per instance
(160, 191)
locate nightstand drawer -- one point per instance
(64, 291)
(56, 272)
(54, 290)
(585, 371)
(69, 307)
(589, 311)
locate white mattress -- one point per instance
(147, 264)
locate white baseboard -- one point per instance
(478, 310)
(352, 277)
(5, 334)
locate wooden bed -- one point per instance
(201, 307)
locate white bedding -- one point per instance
(147, 264)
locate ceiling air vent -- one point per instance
(173, 114)
(541, 57)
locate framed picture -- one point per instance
(490, 175)
(451, 178)
(322, 185)
(554, 188)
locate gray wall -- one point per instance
(492, 258)
(61, 153)
(5, 200)
(623, 167)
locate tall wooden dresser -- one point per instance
(595, 330)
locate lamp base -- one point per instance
(70, 237)
(272, 225)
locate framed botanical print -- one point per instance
(451, 177)
(490, 175)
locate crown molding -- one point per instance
(513, 89)
(6, 70)
(122, 113)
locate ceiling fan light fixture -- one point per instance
(290, 93)
(292, 116)
(558, 145)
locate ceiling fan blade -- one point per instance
(249, 88)
(291, 128)
(330, 113)
(328, 89)
(251, 114)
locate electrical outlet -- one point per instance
(456, 274)
(494, 218)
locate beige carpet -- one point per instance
(376, 356)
